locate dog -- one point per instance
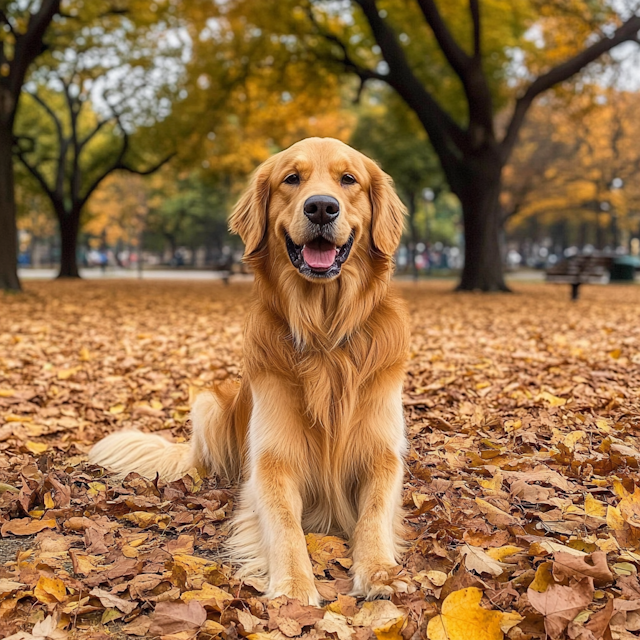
(315, 428)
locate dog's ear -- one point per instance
(249, 217)
(388, 211)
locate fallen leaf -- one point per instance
(36, 448)
(475, 559)
(559, 604)
(335, 623)
(173, 617)
(462, 618)
(50, 590)
(208, 593)
(494, 515)
(109, 600)
(500, 553)
(595, 566)
(27, 526)
(594, 508)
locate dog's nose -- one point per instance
(321, 209)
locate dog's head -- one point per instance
(316, 208)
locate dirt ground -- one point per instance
(523, 516)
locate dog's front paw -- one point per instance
(378, 581)
(298, 588)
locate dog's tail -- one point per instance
(219, 423)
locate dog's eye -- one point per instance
(292, 178)
(347, 178)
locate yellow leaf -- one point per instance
(609, 545)
(36, 447)
(85, 564)
(390, 631)
(419, 499)
(136, 542)
(624, 568)
(65, 374)
(463, 618)
(493, 485)
(383, 617)
(85, 355)
(95, 488)
(50, 590)
(510, 620)
(553, 401)
(603, 425)
(501, 553)
(12, 417)
(145, 519)
(494, 515)
(117, 409)
(629, 506)
(573, 438)
(7, 393)
(208, 592)
(544, 578)
(615, 354)
(593, 507)
(614, 520)
(48, 500)
(437, 577)
(213, 628)
(192, 564)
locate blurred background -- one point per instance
(128, 127)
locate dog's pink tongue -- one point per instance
(318, 258)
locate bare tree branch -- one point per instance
(120, 164)
(626, 32)
(150, 170)
(29, 45)
(474, 9)
(36, 174)
(5, 18)
(93, 133)
(453, 52)
(446, 136)
(346, 60)
(50, 111)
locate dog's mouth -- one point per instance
(318, 258)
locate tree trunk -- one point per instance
(8, 231)
(482, 217)
(69, 229)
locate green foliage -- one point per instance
(390, 133)
(190, 212)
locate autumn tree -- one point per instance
(51, 30)
(391, 134)
(576, 168)
(457, 65)
(70, 149)
(23, 27)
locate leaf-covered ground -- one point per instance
(523, 513)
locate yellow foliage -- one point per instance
(50, 590)
(462, 618)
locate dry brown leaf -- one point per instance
(27, 526)
(173, 617)
(559, 604)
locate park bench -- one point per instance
(581, 269)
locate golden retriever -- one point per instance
(316, 427)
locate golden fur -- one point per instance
(315, 428)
